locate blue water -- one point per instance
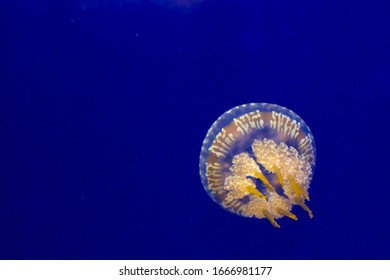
(105, 104)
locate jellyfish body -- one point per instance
(257, 160)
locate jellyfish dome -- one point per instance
(257, 160)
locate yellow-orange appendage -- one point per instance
(270, 218)
(299, 191)
(255, 192)
(301, 194)
(301, 203)
(263, 179)
(287, 214)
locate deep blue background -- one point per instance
(105, 104)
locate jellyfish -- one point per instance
(257, 160)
